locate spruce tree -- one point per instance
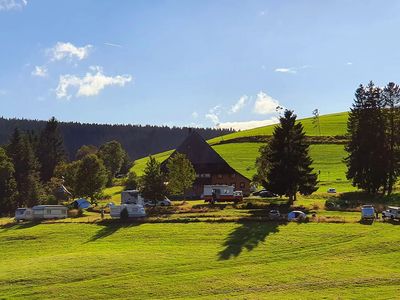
(367, 163)
(152, 181)
(50, 150)
(26, 169)
(181, 174)
(8, 185)
(391, 101)
(285, 164)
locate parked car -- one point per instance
(164, 202)
(367, 212)
(331, 191)
(296, 215)
(393, 212)
(267, 194)
(274, 214)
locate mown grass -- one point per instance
(330, 125)
(202, 260)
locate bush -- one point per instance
(75, 213)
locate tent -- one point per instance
(81, 203)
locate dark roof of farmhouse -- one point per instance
(203, 158)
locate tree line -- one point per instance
(373, 160)
(138, 141)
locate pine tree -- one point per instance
(26, 169)
(153, 187)
(391, 100)
(285, 164)
(367, 163)
(181, 174)
(91, 177)
(50, 150)
(8, 185)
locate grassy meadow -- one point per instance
(202, 260)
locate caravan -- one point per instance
(41, 212)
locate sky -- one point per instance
(191, 63)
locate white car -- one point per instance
(274, 214)
(164, 202)
(393, 212)
(331, 191)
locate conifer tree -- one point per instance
(285, 164)
(367, 163)
(50, 150)
(153, 187)
(391, 101)
(8, 185)
(26, 169)
(181, 174)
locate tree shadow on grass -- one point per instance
(110, 227)
(24, 225)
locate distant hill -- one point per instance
(139, 141)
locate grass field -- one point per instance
(330, 125)
(202, 260)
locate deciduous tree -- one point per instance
(181, 174)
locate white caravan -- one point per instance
(393, 212)
(132, 201)
(41, 212)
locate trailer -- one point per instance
(393, 213)
(221, 193)
(41, 212)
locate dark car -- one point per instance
(267, 194)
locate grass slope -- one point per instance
(331, 125)
(202, 260)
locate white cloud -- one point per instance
(40, 71)
(89, 85)
(67, 50)
(349, 63)
(113, 45)
(195, 115)
(286, 70)
(248, 124)
(239, 104)
(213, 118)
(265, 104)
(12, 4)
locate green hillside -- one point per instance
(330, 125)
(199, 260)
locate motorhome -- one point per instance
(221, 193)
(41, 212)
(132, 201)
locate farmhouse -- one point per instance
(210, 167)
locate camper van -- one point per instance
(41, 212)
(367, 212)
(221, 193)
(393, 213)
(132, 201)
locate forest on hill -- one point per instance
(138, 140)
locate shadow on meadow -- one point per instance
(248, 235)
(109, 227)
(23, 225)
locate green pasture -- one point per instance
(330, 125)
(199, 260)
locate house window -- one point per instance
(242, 185)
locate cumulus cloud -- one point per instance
(89, 85)
(248, 124)
(40, 71)
(286, 70)
(67, 50)
(265, 104)
(239, 104)
(12, 4)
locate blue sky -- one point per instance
(197, 63)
